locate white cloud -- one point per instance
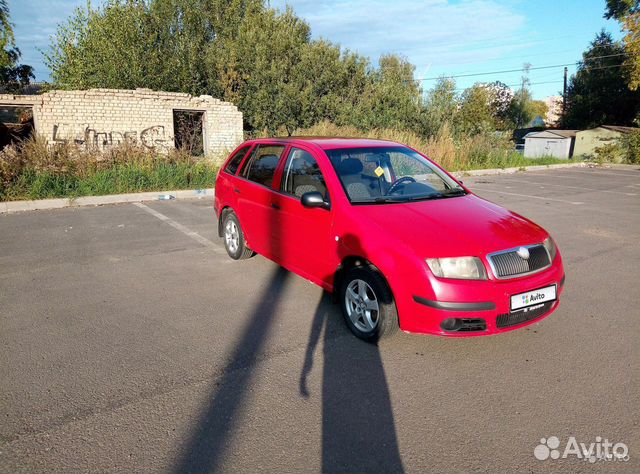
(430, 33)
(34, 22)
(433, 34)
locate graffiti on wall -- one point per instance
(153, 137)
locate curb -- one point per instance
(459, 174)
(42, 204)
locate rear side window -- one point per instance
(234, 163)
(302, 174)
(261, 165)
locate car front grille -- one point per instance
(509, 264)
(523, 315)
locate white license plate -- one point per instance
(530, 298)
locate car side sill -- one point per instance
(452, 306)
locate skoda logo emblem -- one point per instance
(523, 253)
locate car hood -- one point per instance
(458, 226)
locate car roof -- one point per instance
(330, 143)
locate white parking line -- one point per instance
(185, 230)
(631, 174)
(530, 196)
(572, 187)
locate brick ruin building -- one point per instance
(104, 118)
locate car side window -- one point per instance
(261, 165)
(302, 174)
(234, 163)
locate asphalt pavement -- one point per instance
(130, 342)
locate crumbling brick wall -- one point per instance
(104, 118)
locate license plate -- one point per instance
(530, 298)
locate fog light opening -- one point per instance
(451, 324)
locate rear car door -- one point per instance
(305, 237)
(256, 209)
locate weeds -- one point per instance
(34, 170)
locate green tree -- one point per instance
(13, 76)
(598, 94)
(476, 114)
(627, 12)
(620, 8)
(391, 97)
(441, 106)
(238, 50)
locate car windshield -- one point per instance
(380, 175)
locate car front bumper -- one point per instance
(464, 309)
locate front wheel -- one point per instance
(367, 304)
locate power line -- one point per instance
(521, 69)
(537, 83)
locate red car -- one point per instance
(399, 241)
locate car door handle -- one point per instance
(275, 206)
(236, 190)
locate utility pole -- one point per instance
(564, 92)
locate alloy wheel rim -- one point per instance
(232, 236)
(362, 305)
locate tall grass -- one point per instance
(34, 170)
(452, 153)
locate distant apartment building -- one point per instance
(554, 112)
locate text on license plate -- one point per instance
(541, 295)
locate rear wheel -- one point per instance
(367, 304)
(234, 241)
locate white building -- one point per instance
(556, 143)
(554, 109)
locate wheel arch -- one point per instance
(352, 261)
(223, 213)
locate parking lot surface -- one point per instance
(129, 341)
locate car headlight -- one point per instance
(464, 268)
(550, 245)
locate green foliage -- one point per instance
(32, 170)
(627, 12)
(13, 76)
(6, 34)
(522, 109)
(625, 149)
(262, 60)
(441, 105)
(475, 114)
(598, 93)
(391, 98)
(620, 8)
(629, 144)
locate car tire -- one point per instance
(233, 237)
(367, 304)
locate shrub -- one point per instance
(34, 170)
(630, 147)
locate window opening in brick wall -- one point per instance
(188, 131)
(16, 124)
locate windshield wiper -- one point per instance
(446, 194)
(386, 199)
(454, 192)
(402, 198)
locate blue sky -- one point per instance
(441, 37)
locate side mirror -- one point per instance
(314, 199)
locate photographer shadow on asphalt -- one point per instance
(358, 430)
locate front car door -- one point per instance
(305, 233)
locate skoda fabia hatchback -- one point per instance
(398, 241)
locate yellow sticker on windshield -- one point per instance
(379, 171)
